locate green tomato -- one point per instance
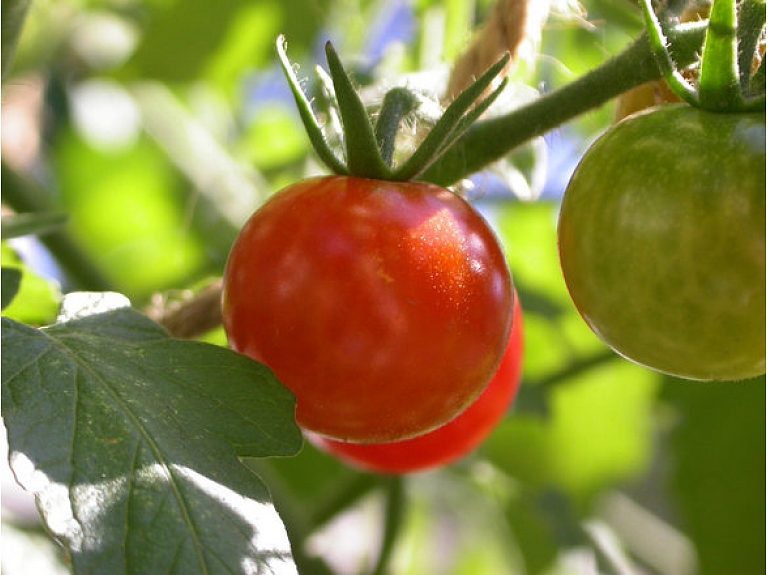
(662, 241)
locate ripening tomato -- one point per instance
(453, 440)
(384, 306)
(662, 241)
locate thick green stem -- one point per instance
(719, 86)
(490, 140)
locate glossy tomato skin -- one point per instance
(455, 439)
(662, 241)
(384, 306)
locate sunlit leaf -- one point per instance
(127, 210)
(274, 139)
(181, 37)
(598, 433)
(246, 46)
(130, 442)
(36, 299)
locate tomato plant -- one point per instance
(384, 306)
(456, 438)
(135, 145)
(662, 241)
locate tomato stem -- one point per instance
(489, 140)
(722, 71)
(719, 86)
(458, 145)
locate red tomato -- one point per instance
(384, 306)
(453, 440)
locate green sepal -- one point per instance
(751, 26)
(363, 154)
(720, 87)
(370, 150)
(453, 123)
(327, 104)
(311, 125)
(658, 41)
(398, 104)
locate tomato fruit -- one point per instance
(662, 241)
(453, 440)
(384, 306)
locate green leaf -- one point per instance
(597, 433)
(13, 14)
(37, 300)
(11, 281)
(718, 480)
(534, 533)
(130, 442)
(127, 206)
(181, 38)
(32, 223)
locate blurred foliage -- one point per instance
(159, 125)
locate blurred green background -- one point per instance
(160, 125)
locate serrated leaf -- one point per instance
(130, 442)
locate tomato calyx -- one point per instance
(731, 72)
(368, 149)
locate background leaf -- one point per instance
(10, 287)
(35, 223)
(129, 440)
(13, 14)
(158, 126)
(719, 477)
(37, 299)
